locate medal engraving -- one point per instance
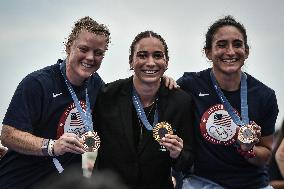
(161, 129)
(91, 141)
(246, 134)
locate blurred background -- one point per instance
(32, 35)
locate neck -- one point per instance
(147, 92)
(228, 82)
(72, 77)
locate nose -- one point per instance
(230, 50)
(151, 61)
(90, 56)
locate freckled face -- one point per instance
(228, 52)
(149, 61)
(85, 56)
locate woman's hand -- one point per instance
(68, 142)
(257, 135)
(170, 82)
(173, 144)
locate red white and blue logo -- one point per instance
(70, 121)
(217, 127)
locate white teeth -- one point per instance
(230, 60)
(150, 71)
(86, 65)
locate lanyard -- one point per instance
(141, 113)
(244, 106)
(85, 116)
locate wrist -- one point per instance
(47, 147)
(51, 147)
(246, 153)
(44, 147)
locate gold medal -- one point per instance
(246, 134)
(161, 129)
(91, 141)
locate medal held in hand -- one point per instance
(246, 134)
(91, 141)
(161, 129)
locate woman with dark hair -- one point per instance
(145, 128)
(235, 114)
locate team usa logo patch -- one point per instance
(217, 127)
(70, 121)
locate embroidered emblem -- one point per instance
(217, 127)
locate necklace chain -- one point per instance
(152, 106)
(140, 122)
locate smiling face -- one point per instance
(228, 51)
(149, 60)
(85, 56)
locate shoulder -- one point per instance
(41, 78)
(192, 81)
(96, 78)
(257, 87)
(45, 74)
(180, 94)
(174, 95)
(190, 76)
(115, 87)
(95, 82)
(263, 95)
(181, 98)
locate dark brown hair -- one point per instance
(226, 21)
(147, 34)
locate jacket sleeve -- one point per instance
(186, 131)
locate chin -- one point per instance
(231, 68)
(86, 75)
(151, 81)
(231, 71)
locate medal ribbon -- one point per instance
(85, 116)
(141, 113)
(244, 106)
